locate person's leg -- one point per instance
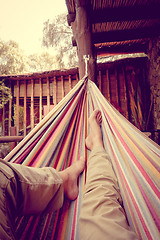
(6, 222)
(27, 190)
(102, 216)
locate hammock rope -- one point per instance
(59, 140)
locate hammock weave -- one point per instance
(59, 140)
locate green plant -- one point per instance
(5, 94)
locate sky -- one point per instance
(22, 21)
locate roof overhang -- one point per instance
(119, 26)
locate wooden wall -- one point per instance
(34, 95)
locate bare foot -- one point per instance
(70, 178)
(94, 139)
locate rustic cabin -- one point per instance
(118, 47)
(35, 94)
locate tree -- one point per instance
(58, 34)
(5, 94)
(42, 62)
(12, 61)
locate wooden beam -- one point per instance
(117, 88)
(55, 91)
(3, 120)
(77, 78)
(17, 108)
(62, 82)
(122, 48)
(125, 95)
(70, 82)
(32, 104)
(4, 139)
(108, 85)
(25, 109)
(100, 81)
(150, 11)
(82, 33)
(10, 111)
(40, 99)
(13, 133)
(48, 96)
(124, 35)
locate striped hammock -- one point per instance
(59, 140)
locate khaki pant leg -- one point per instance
(6, 223)
(102, 216)
(27, 190)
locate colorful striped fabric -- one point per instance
(59, 140)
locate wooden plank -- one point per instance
(40, 99)
(4, 139)
(125, 94)
(32, 104)
(116, 87)
(77, 78)
(25, 109)
(108, 85)
(55, 91)
(70, 82)
(13, 133)
(126, 34)
(48, 96)
(62, 84)
(17, 108)
(100, 81)
(137, 12)
(3, 120)
(10, 112)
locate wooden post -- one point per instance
(62, 81)
(125, 94)
(10, 111)
(77, 78)
(100, 81)
(17, 108)
(82, 33)
(70, 83)
(12, 133)
(3, 120)
(117, 87)
(48, 96)
(55, 91)
(40, 100)
(108, 86)
(32, 104)
(25, 109)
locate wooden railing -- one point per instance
(34, 95)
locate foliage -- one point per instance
(12, 60)
(5, 94)
(58, 34)
(42, 62)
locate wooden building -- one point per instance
(102, 27)
(34, 95)
(111, 27)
